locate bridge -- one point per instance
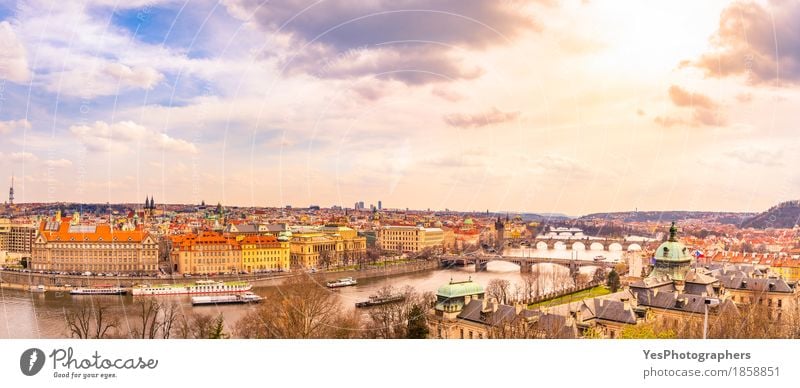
(583, 243)
(525, 263)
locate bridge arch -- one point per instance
(615, 247)
(542, 245)
(596, 246)
(578, 246)
(560, 246)
(634, 247)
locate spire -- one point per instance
(673, 231)
(11, 191)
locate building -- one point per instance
(64, 247)
(20, 238)
(205, 253)
(328, 246)
(264, 253)
(5, 233)
(462, 311)
(410, 238)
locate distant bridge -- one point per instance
(525, 263)
(584, 244)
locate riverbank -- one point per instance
(25, 280)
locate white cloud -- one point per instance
(23, 157)
(13, 57)
(105, 80)
(58, 163)
(7, 126)
(121, 136)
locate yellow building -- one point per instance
(410, 238)
(329, 246)
(264, 253)
(206, 253)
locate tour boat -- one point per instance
(344, 282)
(98, 290)
(247, 297)
(375, 300)
(198, 287)
(599, 258)
(39, 288)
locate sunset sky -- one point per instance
(543, 106)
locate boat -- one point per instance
(375, 300)
(198, 287)
(40, 288)
(102, 289)
(599, 258)
(247, 297)
(343, 282)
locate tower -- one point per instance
(11, 191)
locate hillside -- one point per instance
(669, 216)
(783, 215)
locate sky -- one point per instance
(554, 106)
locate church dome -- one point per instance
(459, 289)
(468, 221)
(672, 249)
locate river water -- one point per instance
(35, 315)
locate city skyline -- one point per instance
(682, 107)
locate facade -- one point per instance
(410, 238)
(20, 238)
(205, 253)
(64, 247)
(5, 233)
(327, 246)
(264, 253)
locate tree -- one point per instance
(218, 329)
(613, 280)
(298, 308)
(499, 289)
(417, 323)
(88, 320)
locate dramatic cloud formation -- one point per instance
(121, 136)
(13, 57)
(345, 38)
(7, 126)
(705, 112)
(758, 41)
(493, 116)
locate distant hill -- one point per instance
(782, 215)
(669, 216)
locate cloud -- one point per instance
(13, 56)
(491, 117)
(7, 126)
(759, 156)
(705, 112)
(58, 163)
(744, 97)
(682, 97)
(123, 135)
(346, 38)
(757, 41)
(23, 157)
(447, 94)
(87, 81)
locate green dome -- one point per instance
(672, 249)
(468, 221)
(459, 289)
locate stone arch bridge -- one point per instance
(525, 263)
(585, 243)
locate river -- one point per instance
(35, 315)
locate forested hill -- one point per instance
(782, 215)
(669, 216)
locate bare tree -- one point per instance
(500, 289)
(298, 308)
(87, 320)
